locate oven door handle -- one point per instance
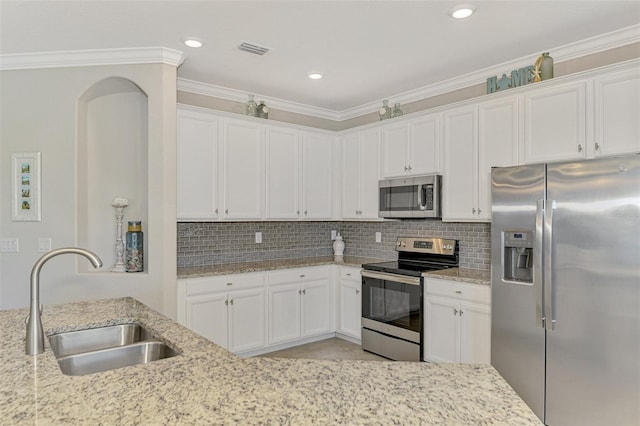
(392, 277)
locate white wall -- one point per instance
(39, 112)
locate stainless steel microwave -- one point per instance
(415, 197)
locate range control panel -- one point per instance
(426, 245)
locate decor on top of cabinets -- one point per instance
(119, 204)
(387, 112)
(256, 110)
(25, 194)
(546, 66)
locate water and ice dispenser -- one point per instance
(518, 256)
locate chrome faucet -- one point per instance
(35, 332)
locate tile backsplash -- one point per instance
(212, 243)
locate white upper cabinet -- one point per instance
(497, 145)
(460, 176)
(243, 165)
(197, 153)
(555, 124)
(411, 147)
(282, 171)
(317, 176)
(299, 176)
(360, 174)
(617, 113)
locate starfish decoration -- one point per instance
(536, 70)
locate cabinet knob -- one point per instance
(231, 301)
(579, 147)
(597, 145)
(304, 291)
(405, 168)
(473, 211)
(410, 168)
(299, 291)
(455, 311)
(305, 212)
(226, 302)
(297, 211)
(357, 291)
(226, 211)
(479, 211)
(216, 211)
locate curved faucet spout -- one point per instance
(35, 333)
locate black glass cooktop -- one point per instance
(413, 269)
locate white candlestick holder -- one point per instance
(119, 204)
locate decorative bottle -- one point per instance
(251, 107)
(135, 251)
(385, 111)
(546, 67)
(397, 112)
(338, 246)
(262, 111)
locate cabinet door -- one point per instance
(351, 176)
(282, 172)
(207, 316)
(617, 114)
(284, 311)
(475, 333)
(441, 330)
(395, 150)
(369, 173)
(459, 186)
(316, 308)
(350, 308)
(497, 145)
(243, 170)
(555, 124)
(197, 166)
(246, 320)
(424, 150)
(317, 174)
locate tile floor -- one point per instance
(333, 348)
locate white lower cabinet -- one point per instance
(228, 310)
(299, 304)
(350, 302)
(457, 322)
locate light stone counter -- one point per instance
(208, 385)
(473, 276)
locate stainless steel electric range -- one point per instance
(392, 296)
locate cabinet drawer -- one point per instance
(298, 275)
(473, 292)
(347, 273)
(203, 285)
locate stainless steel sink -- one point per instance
(112, 358)
(106, 348)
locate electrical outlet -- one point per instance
(9, 245)
(44, 245)
(333, 234)
(378, 237)
(258, 237)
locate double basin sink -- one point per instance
(107, 348)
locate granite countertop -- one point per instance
(208, 385)
(474, 276)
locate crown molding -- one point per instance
(82, 58)
(206, 89)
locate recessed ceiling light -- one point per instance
(315, 76)
(462, 11)
(193, 42)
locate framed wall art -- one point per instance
(25, 196)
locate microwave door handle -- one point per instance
(422, 189)
(537, 262)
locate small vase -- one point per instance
(546, 67)
(338, 246)
(135, 250)
(397, 112)
(385, 111)
(251, 107)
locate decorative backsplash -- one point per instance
(212, 243)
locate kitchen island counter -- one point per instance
(208, 385)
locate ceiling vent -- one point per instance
(252, 48)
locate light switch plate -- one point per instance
(333, 234)
(9, 245)
(378, 237)
(258, 237)
(44, 245)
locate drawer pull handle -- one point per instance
(458, 292)
(349, 274)
(302, 276)
(229, 283)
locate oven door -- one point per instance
(392, 315)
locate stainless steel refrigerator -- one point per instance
(565, 275)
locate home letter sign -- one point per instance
(519, 77)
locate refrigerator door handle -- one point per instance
(537, 262)
(550, 322)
